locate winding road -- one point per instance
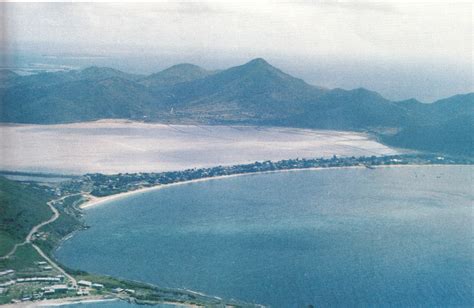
(40, 252)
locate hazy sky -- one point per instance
(401, 49)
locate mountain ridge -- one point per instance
(252, 93)
(255, 88)
(175, 74)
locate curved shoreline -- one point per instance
(59, 302)
(95, 201)
(395, 168)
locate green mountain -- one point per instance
(176, 74)
(255, 92)
(79, 100)
(58, 78)
(99, 73)
(454, 106)
(358, 109)
(441, 110)
(454, 136)
(252, 93)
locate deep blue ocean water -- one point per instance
(332, 238)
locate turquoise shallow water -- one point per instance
(350, 237)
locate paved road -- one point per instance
(41, 253)
(44, 223)
(57, 267)
(36, 228)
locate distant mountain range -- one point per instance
(254, 93)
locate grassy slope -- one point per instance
(21, 207)
(6, 242)
(68, 221)
(23, 261)
(452, 137)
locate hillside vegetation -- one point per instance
(22, 206)
(253, 93)
(453, 136)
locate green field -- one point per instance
(22, 206)
(23, 261)
(6, 242)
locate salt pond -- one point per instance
(111, 146)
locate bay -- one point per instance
(399, 236)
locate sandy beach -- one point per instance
(80, 300)
(94, 201)
(60, 301)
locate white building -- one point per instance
(85, 283)
(7, 272)
(59, 288)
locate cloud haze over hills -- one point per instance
(397, 48)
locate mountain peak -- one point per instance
(185, 65)
(175, 74)
(257, 62)
(96, 73)
(260, 66)
(183, 68)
